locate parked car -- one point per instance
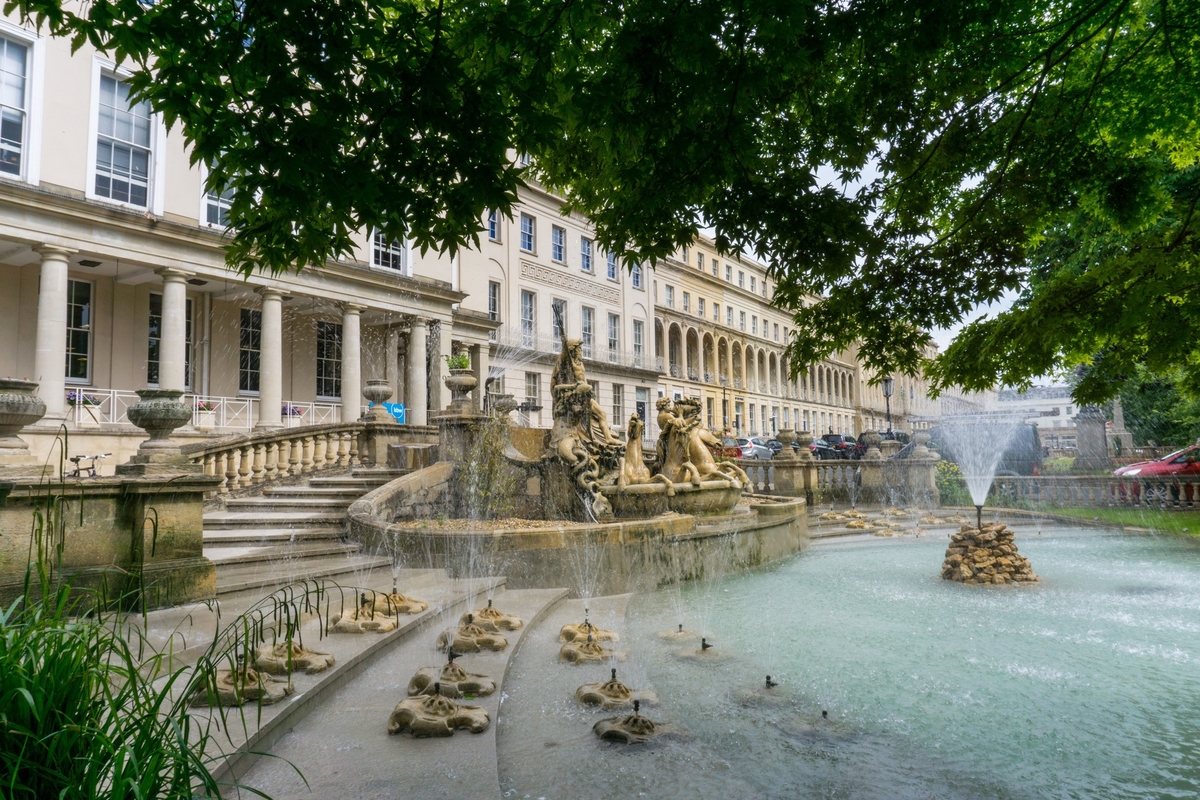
(749, 449)
(728, 448)
(776, 446)
(1157, 475)
(761, 442)
(823, 450)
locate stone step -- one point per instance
(257, 575)
(225, 520)
(360, 485)
(276, 553)
(288, 504)
(329, 492)
(279, 535)
(376, 473)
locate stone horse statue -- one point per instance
(685, 447)
(633, 466)
(581, 437)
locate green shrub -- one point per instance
(952, 488)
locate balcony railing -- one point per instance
(676, 371)
(693, 375)
(91, 408)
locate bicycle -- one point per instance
(88, 471)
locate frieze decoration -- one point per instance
(571, 283)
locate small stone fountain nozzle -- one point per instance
(704, 645)
(451, 655)
(770, 683)
(589, 638)
(825, 715)
(470, 619)
(489, 602)
(979, 517)
(681, 627)
(437, 688)
(637, 706)
(362, 599)
(614, 673)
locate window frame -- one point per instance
(635, 277)
(612, 269)
(639, 339)
(587, 331)
(587, 251)
(669, 295)
(404, 248)
(494, 301)
(90, 330)
(614, 335)
(532, 234)
(493, 226)
(558, 244)
(528, 325)
(336, 363)
(204, 200)
(243, 311)
(156, 180)
(35, 71)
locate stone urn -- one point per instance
(786, 436)
(378, 392)
(503, 404)
(159, 412)
(19, 406)
(804, 439)
(872, 439)
(920, 440)
(460, 382)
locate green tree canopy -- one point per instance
(979, 147)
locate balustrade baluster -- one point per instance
(244, 464)
(308, 454)
(272, 460)
(354, 462)
(231, 469)
(210, 465)
(297, 456)
(260, 464)
(319, 451)
(343, 438)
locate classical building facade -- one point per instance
(112, 260)
(718, 339)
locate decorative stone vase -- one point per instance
(19, 406)
(159, 412)
(786, 436)
(804, 439)
(503, 404)
(377, 392)
(921, 438)
(872, 440)
(460, 382)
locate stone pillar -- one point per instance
(439, 397)
(351, 362)
(1122, 439)
(391, 369)
(172, 348)
(874, 489)
(417, 413)
(480, 356)
(1092, 440)
(270, 362)
(49, 362)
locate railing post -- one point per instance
(244, 466)
(344, 448)
(297, 456)
(272, 465)
(308, 454)
(260, 463)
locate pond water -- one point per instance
(1086, 685)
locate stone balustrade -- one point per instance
(253, 459)
(1102, 491)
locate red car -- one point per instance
(1158, 475)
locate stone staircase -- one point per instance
(291, 533)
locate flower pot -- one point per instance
(205, 420)
(377, 392)
(460, 383)
(293, 421)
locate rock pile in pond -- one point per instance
(986, 555)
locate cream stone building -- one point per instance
(112, 261)
(718, 339)
(541, 274)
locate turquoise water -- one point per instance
(1086, 685)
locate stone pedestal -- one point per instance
(1092, 440)
(873, 487)
(19, 406)
(159, 412)
(1120, 439)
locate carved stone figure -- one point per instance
(452, 681)
(363, 619)
(674, 464)
(633, 466)
(492, 619)
(393, 603)
(581, 437)
(470, 638)
(578, 631)
(275, 658)
(612, 694)
(586, 651)
(698, 443)
(630, 729)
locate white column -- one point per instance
(351, 363)
(480, 355)
(172, 347)
(270, 361)
(440, 395)
(416, 411)
(50, 360)
(391, 367)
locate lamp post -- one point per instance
(889, 386)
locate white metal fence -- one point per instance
(91, 408)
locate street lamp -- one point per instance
(889, 386)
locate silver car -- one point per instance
(755, 449)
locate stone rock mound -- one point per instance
(986, 555)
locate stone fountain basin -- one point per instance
(653, 499)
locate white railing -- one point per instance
(88, 408)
